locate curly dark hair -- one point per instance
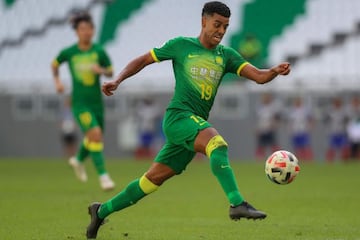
(216, 7)
(79, 17)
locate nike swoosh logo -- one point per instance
(224, 166)
(192, 55)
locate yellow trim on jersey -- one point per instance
(146, 185)
(241, 68)
(55, 63)
(215, 142)
(152, 52)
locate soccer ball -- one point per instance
(282, 167)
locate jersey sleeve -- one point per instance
(104, 59)
(167, 51)
(62, 57)
(235, 62)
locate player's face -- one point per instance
(85, 32)
(214, 28)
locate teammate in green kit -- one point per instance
(199, 65)
(86, 61)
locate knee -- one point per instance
(94, 135)
(158, 173)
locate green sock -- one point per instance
(98, 160)
(82, 153)
(127, 197)
(221, 168)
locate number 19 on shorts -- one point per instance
(198, 120)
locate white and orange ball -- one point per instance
(282, 167)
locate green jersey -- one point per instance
(85, 83)
(198, 72)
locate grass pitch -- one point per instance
(41, 199)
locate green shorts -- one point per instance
(88, 118)
(180, 128)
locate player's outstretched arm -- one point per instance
(131, 69)
(262, 76)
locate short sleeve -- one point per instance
(235, 62)
(167, 51)
(61, 57)
(104, 60)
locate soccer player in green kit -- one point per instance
(199, 65)
(86, 61)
